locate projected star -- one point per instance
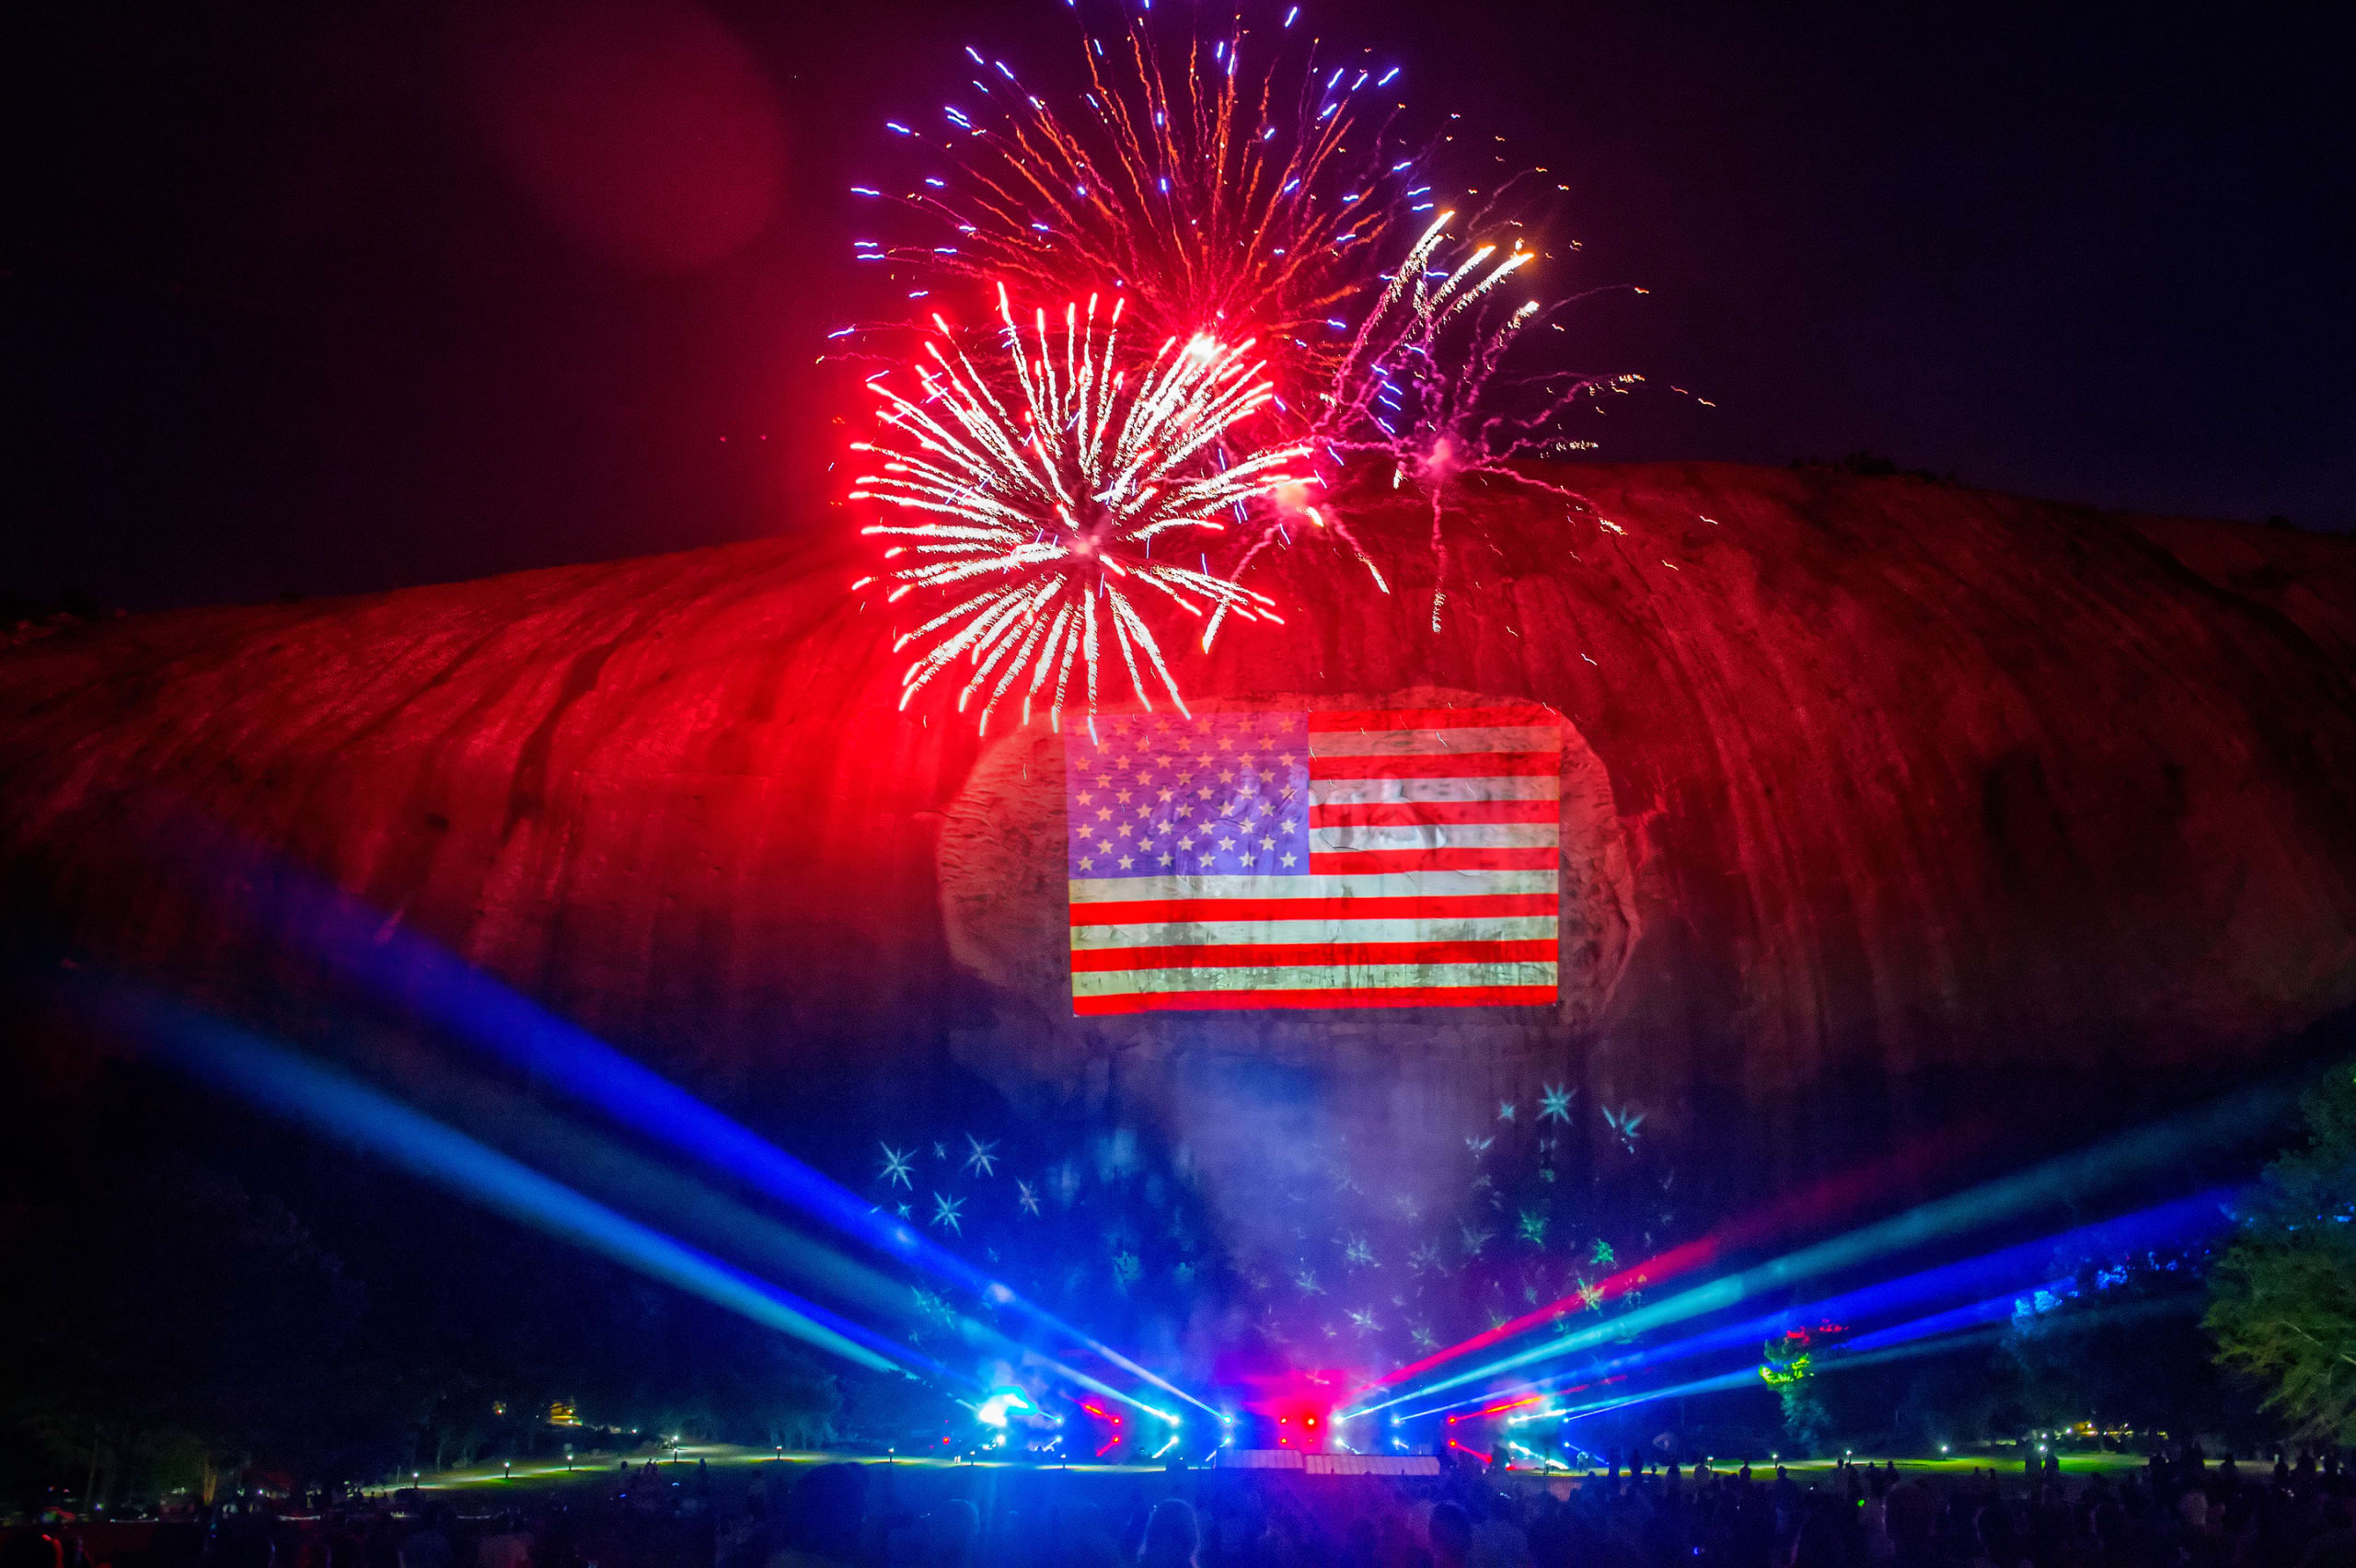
(1624, 1122)
(1505, 1110)
(1363, 1321)
(1360, 1253)
(1533, 1227)
(1592, 1298)
(983, 1159)
(1555, 1104)
(1474, 1240)
(1026, 1197)
(1195, 813)
(948, 1212)
(1603, 1256)
(1478, 1146)
(1307, 1280)
(1425, 1257)
(897, 1166)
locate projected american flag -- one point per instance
(1397, 859)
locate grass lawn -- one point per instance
(731, 1467)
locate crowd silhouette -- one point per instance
(2178, 1511)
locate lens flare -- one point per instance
(1060, 487)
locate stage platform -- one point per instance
(1324, 1464)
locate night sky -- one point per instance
(317, 299)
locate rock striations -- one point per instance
(1933, 797)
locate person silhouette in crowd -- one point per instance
(1451, 1536)
(1171, 1535)
(428, 1546)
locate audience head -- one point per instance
(953, 1533)
(828, 1507)
(1170, 1535)
(1910, 1514)
(1451, 1533)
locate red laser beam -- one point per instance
(1833, 1198)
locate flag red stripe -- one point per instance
(1438, 765)
(1341, 862)
(1432, 719)
(1414, 813)
(1222, 955)
(1369, 996)
(1152, 911)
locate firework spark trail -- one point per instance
(1223, 197)
(1048, 485)
(1243, 200)
(1424, 384)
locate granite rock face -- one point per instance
(1941, 797)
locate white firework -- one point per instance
(1062, 493)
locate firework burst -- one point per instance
(1225, 198)
(1058, 491)
(1426, 383)
(1272, 199)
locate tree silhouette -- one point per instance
(2282, 1300)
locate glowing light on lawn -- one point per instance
(1049, 504)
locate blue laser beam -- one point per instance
(2101, 1167)
(689, 1206)
(331, 1102)
(2009, 1266)
(414, 973)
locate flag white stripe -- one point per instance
(1208, 933)
(1439, 836)
(1365, 884)
(1418, 742)
(1369, 791)
(1309, 977)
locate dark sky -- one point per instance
(296, 298)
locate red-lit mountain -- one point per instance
(1879, 796)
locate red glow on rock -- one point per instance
(675, 799)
